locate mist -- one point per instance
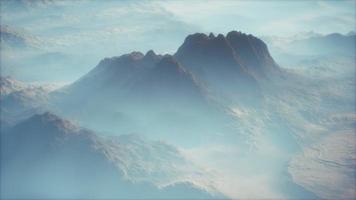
(178, 99)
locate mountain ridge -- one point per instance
(48, 150)
(191, 87)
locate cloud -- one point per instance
(321, 17)
(116, 27)
(110, 27)
(119, 22)
(278, 17)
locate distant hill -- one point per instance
(291, 50)
(334, 43)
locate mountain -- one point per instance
(313, 44)
(46, 156)
(333, 43)
(238, 53)
(116, 72)
(213, 61)
(190, 90)
(230, 66)
(290, 51)
(141, 93)
(169, 82)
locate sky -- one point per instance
(121, 23)
(93, 29)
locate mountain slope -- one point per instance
(169, 82)
(46, 156)
(141, 93)
(189, 91)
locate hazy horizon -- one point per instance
(262, 108)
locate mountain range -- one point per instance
(334, 43)
(174, 97)
(215, 96)
(149, 93)
(290, 51)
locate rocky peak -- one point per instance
(150, 53)
(252, 53)
(169, 64)
(151, 57)
(211, 52)
(199, 45)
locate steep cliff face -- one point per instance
(215, 61)
(252, 53)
